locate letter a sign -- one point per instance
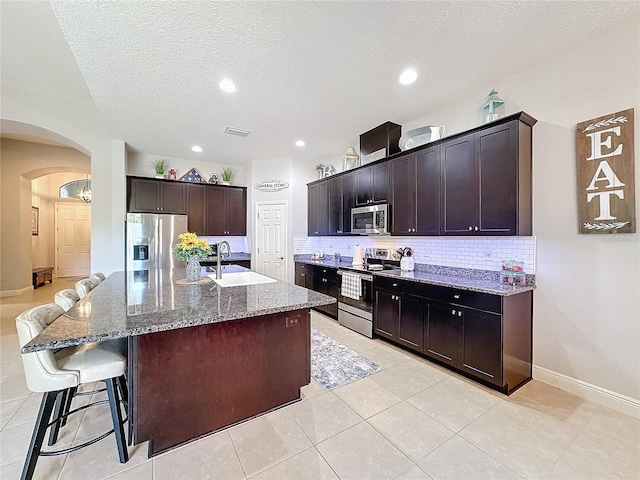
(606, 178)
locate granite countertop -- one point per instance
(483, 281)
(136, 303)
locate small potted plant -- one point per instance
(160, 166)
(226, 175)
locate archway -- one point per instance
(28, 153)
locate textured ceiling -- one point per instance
(321, 71)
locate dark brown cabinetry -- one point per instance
(340, 191)
(318, 205)
(156, 196)
(398, 311)
(211, 210)
(326, 280)
(486, 181)
(226, 211)
(415, 197)
(473, 183)
(485, 336)
(371, 184)
(321, 279)
(196, 208)
(304, 275)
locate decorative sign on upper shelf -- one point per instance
(271, 186)
(193, 176)
(606, 179)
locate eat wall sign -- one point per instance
(606, 179)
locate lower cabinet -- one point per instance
(321, 279)
(398, 311)
(486, 337)
(465, 338)
(326, 280)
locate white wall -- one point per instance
(141, 164)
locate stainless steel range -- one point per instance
(355, 302)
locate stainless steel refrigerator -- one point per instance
(150, 238)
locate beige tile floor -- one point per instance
(412, 420)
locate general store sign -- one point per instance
(271, 186)
(606, 178)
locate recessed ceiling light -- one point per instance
(408, 76)
(227, 85)
(300, 143)
(196, 148)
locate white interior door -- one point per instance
(271, 239)
(73, 239)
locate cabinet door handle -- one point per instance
(456, 296)
(476, 229)
(453, 312)
(470, 228)
(459, 313)
(395, 284)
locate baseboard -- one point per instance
(593, 393)
(15, 293)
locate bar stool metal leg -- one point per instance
(59, 410)
(42, 423)
(116, 416)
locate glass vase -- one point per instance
(193, 269)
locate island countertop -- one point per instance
(137, 303)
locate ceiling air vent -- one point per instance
(236, 131)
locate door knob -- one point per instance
(281, 258)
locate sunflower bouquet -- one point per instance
(191, 246)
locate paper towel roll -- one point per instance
(357, 256)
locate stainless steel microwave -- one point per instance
(370, 220)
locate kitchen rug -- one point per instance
(334, 365)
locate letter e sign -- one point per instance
(606, 178)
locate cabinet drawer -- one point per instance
(326, 272)
(481, 301)
(400, 286)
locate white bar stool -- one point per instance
(66, 298)
(83, 287)
(57, 374)
(99, 275)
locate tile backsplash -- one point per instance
(482, 253)
(237, 244)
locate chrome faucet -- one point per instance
(218, 267)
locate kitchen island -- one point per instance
(201, 357)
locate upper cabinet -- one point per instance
(340, 204)
(211, 209)
(156, 196)
(318, 205)
(226, 211)
(486, 181)
(371, 184)
(415, 196)
(196, 211)
(473, 183)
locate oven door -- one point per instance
(365, 302)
